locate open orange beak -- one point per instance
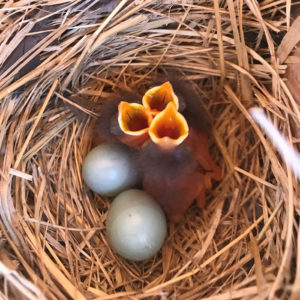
(134, 120)
(157, 98)
(169, 128)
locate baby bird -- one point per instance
(176, 165)
(199, 125)
(120, 121)
(170, 134)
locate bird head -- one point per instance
(168, 128)
(157, 98)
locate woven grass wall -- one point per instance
(58, 59)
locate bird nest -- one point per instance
(58, 60)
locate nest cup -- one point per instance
(242, 244)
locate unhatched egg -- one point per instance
(108, 169)
(136, 225)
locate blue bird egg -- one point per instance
(109, 169)
(136, 225)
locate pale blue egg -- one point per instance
(136, 225)
(109, 169)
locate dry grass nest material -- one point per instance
(243, 245)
